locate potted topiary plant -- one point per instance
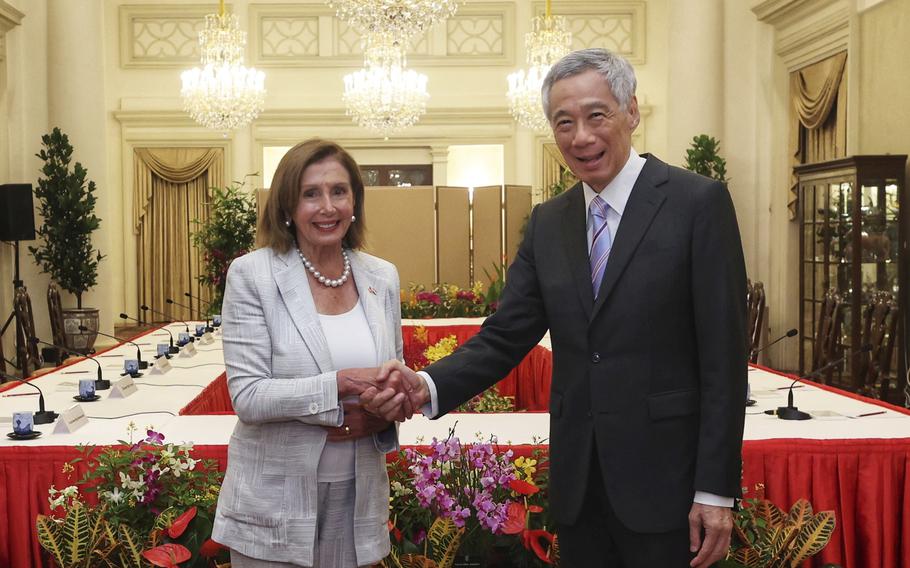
(703, 158)
(67, 204)
(228, 232)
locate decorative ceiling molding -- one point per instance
(807, 30)
(9, 17)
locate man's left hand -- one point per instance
(716, 523)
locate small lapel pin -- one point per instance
(371, 290)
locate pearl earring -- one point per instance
(287, 223)
(353, 218)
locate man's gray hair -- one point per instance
(615, 70)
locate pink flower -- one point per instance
(430, 297)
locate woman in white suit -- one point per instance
(307, 318)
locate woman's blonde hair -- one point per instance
(284, 194)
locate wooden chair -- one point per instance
(755, 299)
(55, 312)
(29, 357)
(827, 333)
(880, 318)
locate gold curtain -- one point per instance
(171, 191)
(818, 125)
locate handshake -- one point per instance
(392, 392)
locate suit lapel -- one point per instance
(291, 278)
(574, 233)
(372, 292)
(644, 202)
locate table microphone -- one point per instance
(790, 412)
(142, 364)
(100, 383)
(207, 326)
(210, 304)
(145, 308)
(42, 416)
(789, 333)
(172, 349)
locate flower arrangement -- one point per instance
(421, 353)
(147, 503)
(467, 499)
(446, 301)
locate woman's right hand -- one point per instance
(352, 382)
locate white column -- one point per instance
(440, 157)
(695, 84)
(76, 104)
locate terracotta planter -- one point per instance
(76, 340)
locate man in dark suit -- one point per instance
(638, 274)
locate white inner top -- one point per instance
(351, 346)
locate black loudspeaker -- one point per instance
(17, 214)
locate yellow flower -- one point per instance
(526, 466)
(441, 348)
(67, 468)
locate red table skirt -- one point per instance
(865, 482)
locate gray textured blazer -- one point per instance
(283, 387)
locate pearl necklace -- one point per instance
(328, 282)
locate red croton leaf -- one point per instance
(167, 555)
(210, 548)
(179, 525)
(535, 508)
(516, 515)
(522, 487)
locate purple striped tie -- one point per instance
(601, 243)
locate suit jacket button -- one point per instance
(595, 357)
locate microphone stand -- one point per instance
(145, 308)
(172, 349)
(100, 383)
(790, 333)
(142, 364)
(42, 416)
(208, 328)
(210, 304)
(790, 412)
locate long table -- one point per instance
(842, 461)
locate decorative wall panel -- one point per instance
(283, 38)
(160, 36)
(474, 35)
(617, 26)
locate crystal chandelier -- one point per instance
(223, 94)
(548, 40)
(394, 18)
(385, 97)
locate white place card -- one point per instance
(70, 420)
(160, 366)
(123, 388)
(188, 350)
(207, 338)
